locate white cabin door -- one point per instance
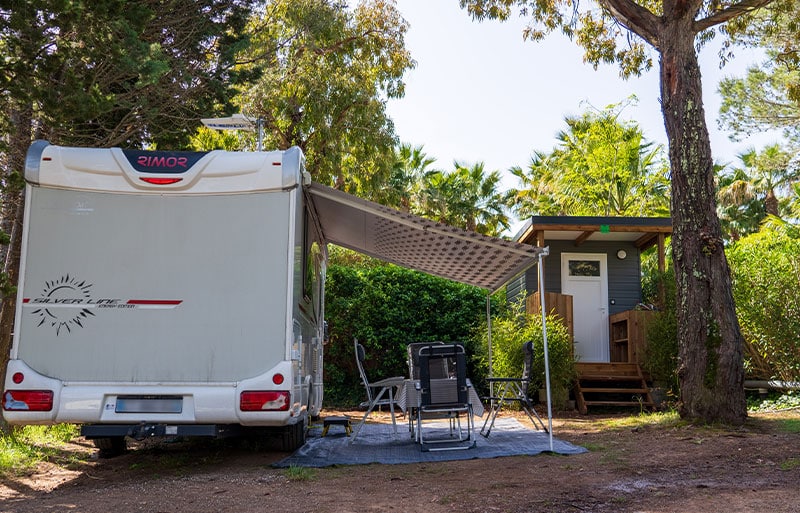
(584, 276)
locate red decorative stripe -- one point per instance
(155, 301)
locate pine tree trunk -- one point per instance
(13, 206)
(711, 369)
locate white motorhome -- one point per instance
(167, 293)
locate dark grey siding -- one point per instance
(517, 288)
(624, 276)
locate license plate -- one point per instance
(149, 404)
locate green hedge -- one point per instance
(387, 307)
(765, 270)
(765, 274)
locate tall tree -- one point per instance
(711, 345)
(328, 70)
(600, 166)
(117, 73)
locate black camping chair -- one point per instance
(512, 390)
(437, 371)
(444, 398)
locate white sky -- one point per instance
(480, 93)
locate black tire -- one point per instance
(293, 437)
(111, 446)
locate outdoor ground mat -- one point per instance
(377, 443)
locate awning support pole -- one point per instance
(489, 337)
(545, 252)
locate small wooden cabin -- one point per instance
(592, 278)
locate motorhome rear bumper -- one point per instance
(145, 430)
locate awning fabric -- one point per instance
(418, 243)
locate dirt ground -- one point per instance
(630, 467)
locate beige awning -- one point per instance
(418, 243)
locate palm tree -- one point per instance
(467, 197)
(739, 213)
(754, 190)
(600, 166)
(482, 206)
(538, 194)
(402, 187)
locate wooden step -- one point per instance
(617, 403)
(593, 390)
(591, 377)
(614, 379)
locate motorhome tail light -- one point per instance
(264, 400)
(160, 181)
(278, 378)
(28, 400)
(18, 378)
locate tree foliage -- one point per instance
(768, 96)
(766, 277)
(514, 327)
(116, 73)
(402, 188)
(601, 166)
(661, 353)
(466, 196)
(740, 212)
(326, 73)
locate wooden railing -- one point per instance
(556, 304)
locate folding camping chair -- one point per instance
(376, 390)
(437, 371)
(508, 390)
(444, 398)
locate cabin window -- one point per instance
(584, 268)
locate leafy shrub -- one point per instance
(661, 353)
(765, 271)
(774, 402)
(512, 329)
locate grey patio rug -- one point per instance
(377, 443)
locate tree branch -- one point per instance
(730, 12)
(635, 18)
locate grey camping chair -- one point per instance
(446, 398)
(512, 390)
(380, 393)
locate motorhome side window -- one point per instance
(313, 259)
(313, 262)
